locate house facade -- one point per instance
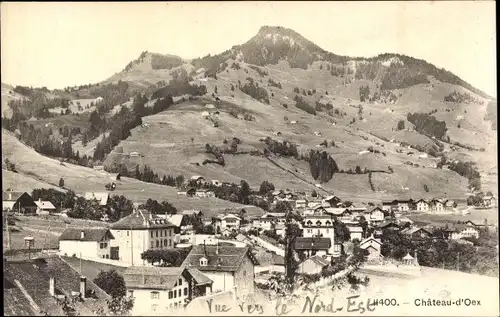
(423, 205)
(313, 265)
(316, 246)
(204, 193)
(163, 290)
(319, 225)
(86, 243)
(437, 205)
(139, 232)
(44, 207)
(230, 268)
(464, 231)
(374, 215)
(373, 246)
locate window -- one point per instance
(180, 282)
(130, 293)
(203, 261)
(185, 291)
(103, 256)
(180, 292)
(161, 243)
(151, 233)
(155, 295)
(157, 243)
(157, 233)
(170, 295)
(165, 233)
(152, 244)
(107, 256)
(175, 305)
(170, 243)
(103, 245)
(128, 233)
(165, 242)
(175, 294)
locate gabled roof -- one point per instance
(176, 220)
(230, 216)
(196, 177)
(413, 230)
(101, 197)
(34, 277)
(368, 240)
(388, 224)
(90, 234)
(331, 197)
(422, 200)
(44, 205)
(199, 278)
(141, 219)
(11, 195)
(152, 277)
(220, 258)
(319, 260)
(302, 243)
(372, 209)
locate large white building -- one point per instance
(319, 225)
(86, 243)
(139, 232)
(230, 268)
(163, 290)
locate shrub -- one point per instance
(303, 105)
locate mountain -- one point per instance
(281, 86)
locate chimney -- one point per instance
(82, 235)
(39, 199)
(83, 286)
(52, 286)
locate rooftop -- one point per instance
(302, 243)
(220, 258)
(141, 219)
(34, 276)
(89, 234)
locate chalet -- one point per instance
(397, 205)
(269, 220)
(35, 288)
(374, 214)
(373, 246)
(134, 154)
(139, 232)
(319, 224)
(204, 193)
(163, 290)
(313, 265)
(230, 221)
(313, 245)
(86, 243)
(389, 225)
(101, 197)
(489, 201)
(416, 233)
(230, 268)
(467, 230)
(423, 205)
(44, 207)
(332, 200)
(450, 205)
(437, 205)
(356, 232)
(18, 201)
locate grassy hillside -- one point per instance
(81, 179)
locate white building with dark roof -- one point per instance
(86, 243)
(163, 290)
(230, 268)
(101, 197)
(139, 232)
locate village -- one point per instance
(167, 263)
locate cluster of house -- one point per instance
(215, 267)
(209, 267)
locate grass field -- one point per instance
(82, 179)
(477, 216)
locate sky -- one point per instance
(65, 44)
